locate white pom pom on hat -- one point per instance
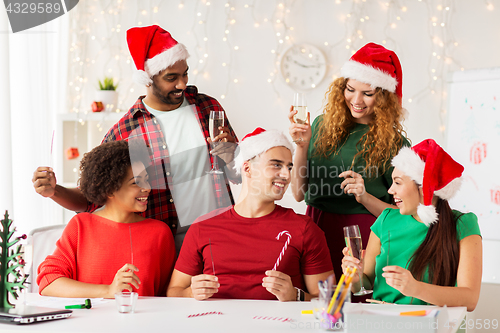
(153, 50)
(257, 142)
(431, 167)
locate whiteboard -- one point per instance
(473, 140)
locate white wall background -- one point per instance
(432, 38)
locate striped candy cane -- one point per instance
(204, 314)
(282, 319)
(282, 253)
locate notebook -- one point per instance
(31, 314)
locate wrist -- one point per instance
(300, 295)
(58, 189)
(363, 198)
(419, 287)
(105, 291)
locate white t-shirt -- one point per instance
(192, 188)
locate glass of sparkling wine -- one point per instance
(300, 105)
(216, 120)
(353, 242)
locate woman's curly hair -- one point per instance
(382, 141)
(103, 169)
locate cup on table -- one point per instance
(125, 301)
(328, 322)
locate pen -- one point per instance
(87, 305)
(334, 297)
(345, 291)
(414, 313)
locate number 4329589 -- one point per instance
(32, 8)
(475, 324)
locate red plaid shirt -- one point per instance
(138, 122)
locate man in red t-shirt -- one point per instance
(256, 249)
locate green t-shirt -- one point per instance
(324, 190)
(406, 234)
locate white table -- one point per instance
(167, 314)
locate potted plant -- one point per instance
(107, 93)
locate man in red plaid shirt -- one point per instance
(172, 122)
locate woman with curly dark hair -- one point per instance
(114, 248)
(342, 163)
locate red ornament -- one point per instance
(495, 195)
(97, 106)
(478, 152)
(72, 153)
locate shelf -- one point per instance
(82, 131)
(91, 116)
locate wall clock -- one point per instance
(303, 66)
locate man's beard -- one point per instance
(166, 99)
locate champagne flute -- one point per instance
(300, 105)
(216, 120)
(353, 242)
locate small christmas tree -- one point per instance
(11, 262)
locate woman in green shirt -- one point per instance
(342, 163)
(424, 252)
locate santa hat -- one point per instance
(153, 50)
(432, 168)
(377, 66)
(258, 142)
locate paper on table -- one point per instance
(61, 302)
(430, 313)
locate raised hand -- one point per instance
(300, 133)
(280, 285)
(226, 145)
(204, 286)
(224, 135)
(353, 184)
(351, 262)
(44, 181)
(124, 279)
(400, 279)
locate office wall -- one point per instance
(236, 46)
(432, 39)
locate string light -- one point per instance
(104, 33)
(441, 60)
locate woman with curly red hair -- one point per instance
(114, 248)
(342, 162)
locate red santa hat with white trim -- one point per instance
(432, 168)
(377, 66)
(258, 142)
(153, 50)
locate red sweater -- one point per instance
(92, 249)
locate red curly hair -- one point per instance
(384, 137)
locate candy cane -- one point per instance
(282, 253)
(284, 320)
(204, 314)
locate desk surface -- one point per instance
(154, 314)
